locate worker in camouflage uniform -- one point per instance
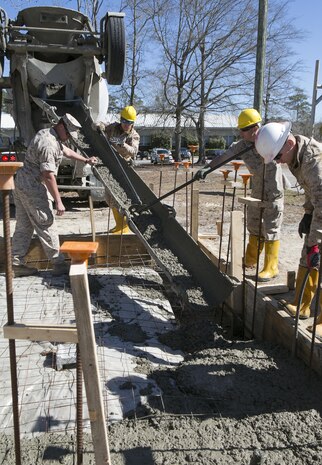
(125, 140)
(303, 157)
(249, 121)
(36, 190)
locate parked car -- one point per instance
(214, 153)
(142, 154)
(185, 154)
(158, 153)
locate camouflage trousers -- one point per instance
(272, 218)
(34, 213)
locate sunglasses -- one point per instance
(126, 121)
(279, 155)
(248, 128)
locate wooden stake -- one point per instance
(79, 253)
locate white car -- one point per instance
(161, 156)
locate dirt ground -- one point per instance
(211, 198)
(229, 401)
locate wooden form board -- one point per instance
(118, 250)
(32, 332)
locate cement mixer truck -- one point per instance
(56, 61)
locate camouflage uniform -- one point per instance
(273, 195)
(307, 168)
(34, 204)
(126, 145)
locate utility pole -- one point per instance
(260, 55)
(315, 99)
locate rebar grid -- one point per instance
(47, 397)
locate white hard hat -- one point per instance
(71, 124)
(270, 138)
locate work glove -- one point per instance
(313, 257)
(305, 224)
(98, 126)
(201, 174)
(117, 140)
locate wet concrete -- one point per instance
(236, 402)
(149, 225)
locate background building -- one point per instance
(149, 124)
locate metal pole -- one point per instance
(225, 174)
(316, 308)
(258, 250)
(297, 315)
(187, 207)
(176, 166)
(161, 169)
(315, 99)
(79, 409)
(260, 55)
(10, 312)
(245, 178)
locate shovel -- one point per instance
(136, 209)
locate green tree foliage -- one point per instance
(298, 103)
(300, 112)
(160, 140)
(216, 143)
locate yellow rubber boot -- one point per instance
(318, 330)
(121, 226)
(270, 269)
(308, 294)
(252, 251)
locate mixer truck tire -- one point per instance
(114, 44)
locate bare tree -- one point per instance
(208, 57)
(175, 24)
(226, 32)
(277, 86)
(282, 66)
(138, 19)
(91, 8)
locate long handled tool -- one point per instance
(137, 209)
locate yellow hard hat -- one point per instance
(248, 117)
(128, 114)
